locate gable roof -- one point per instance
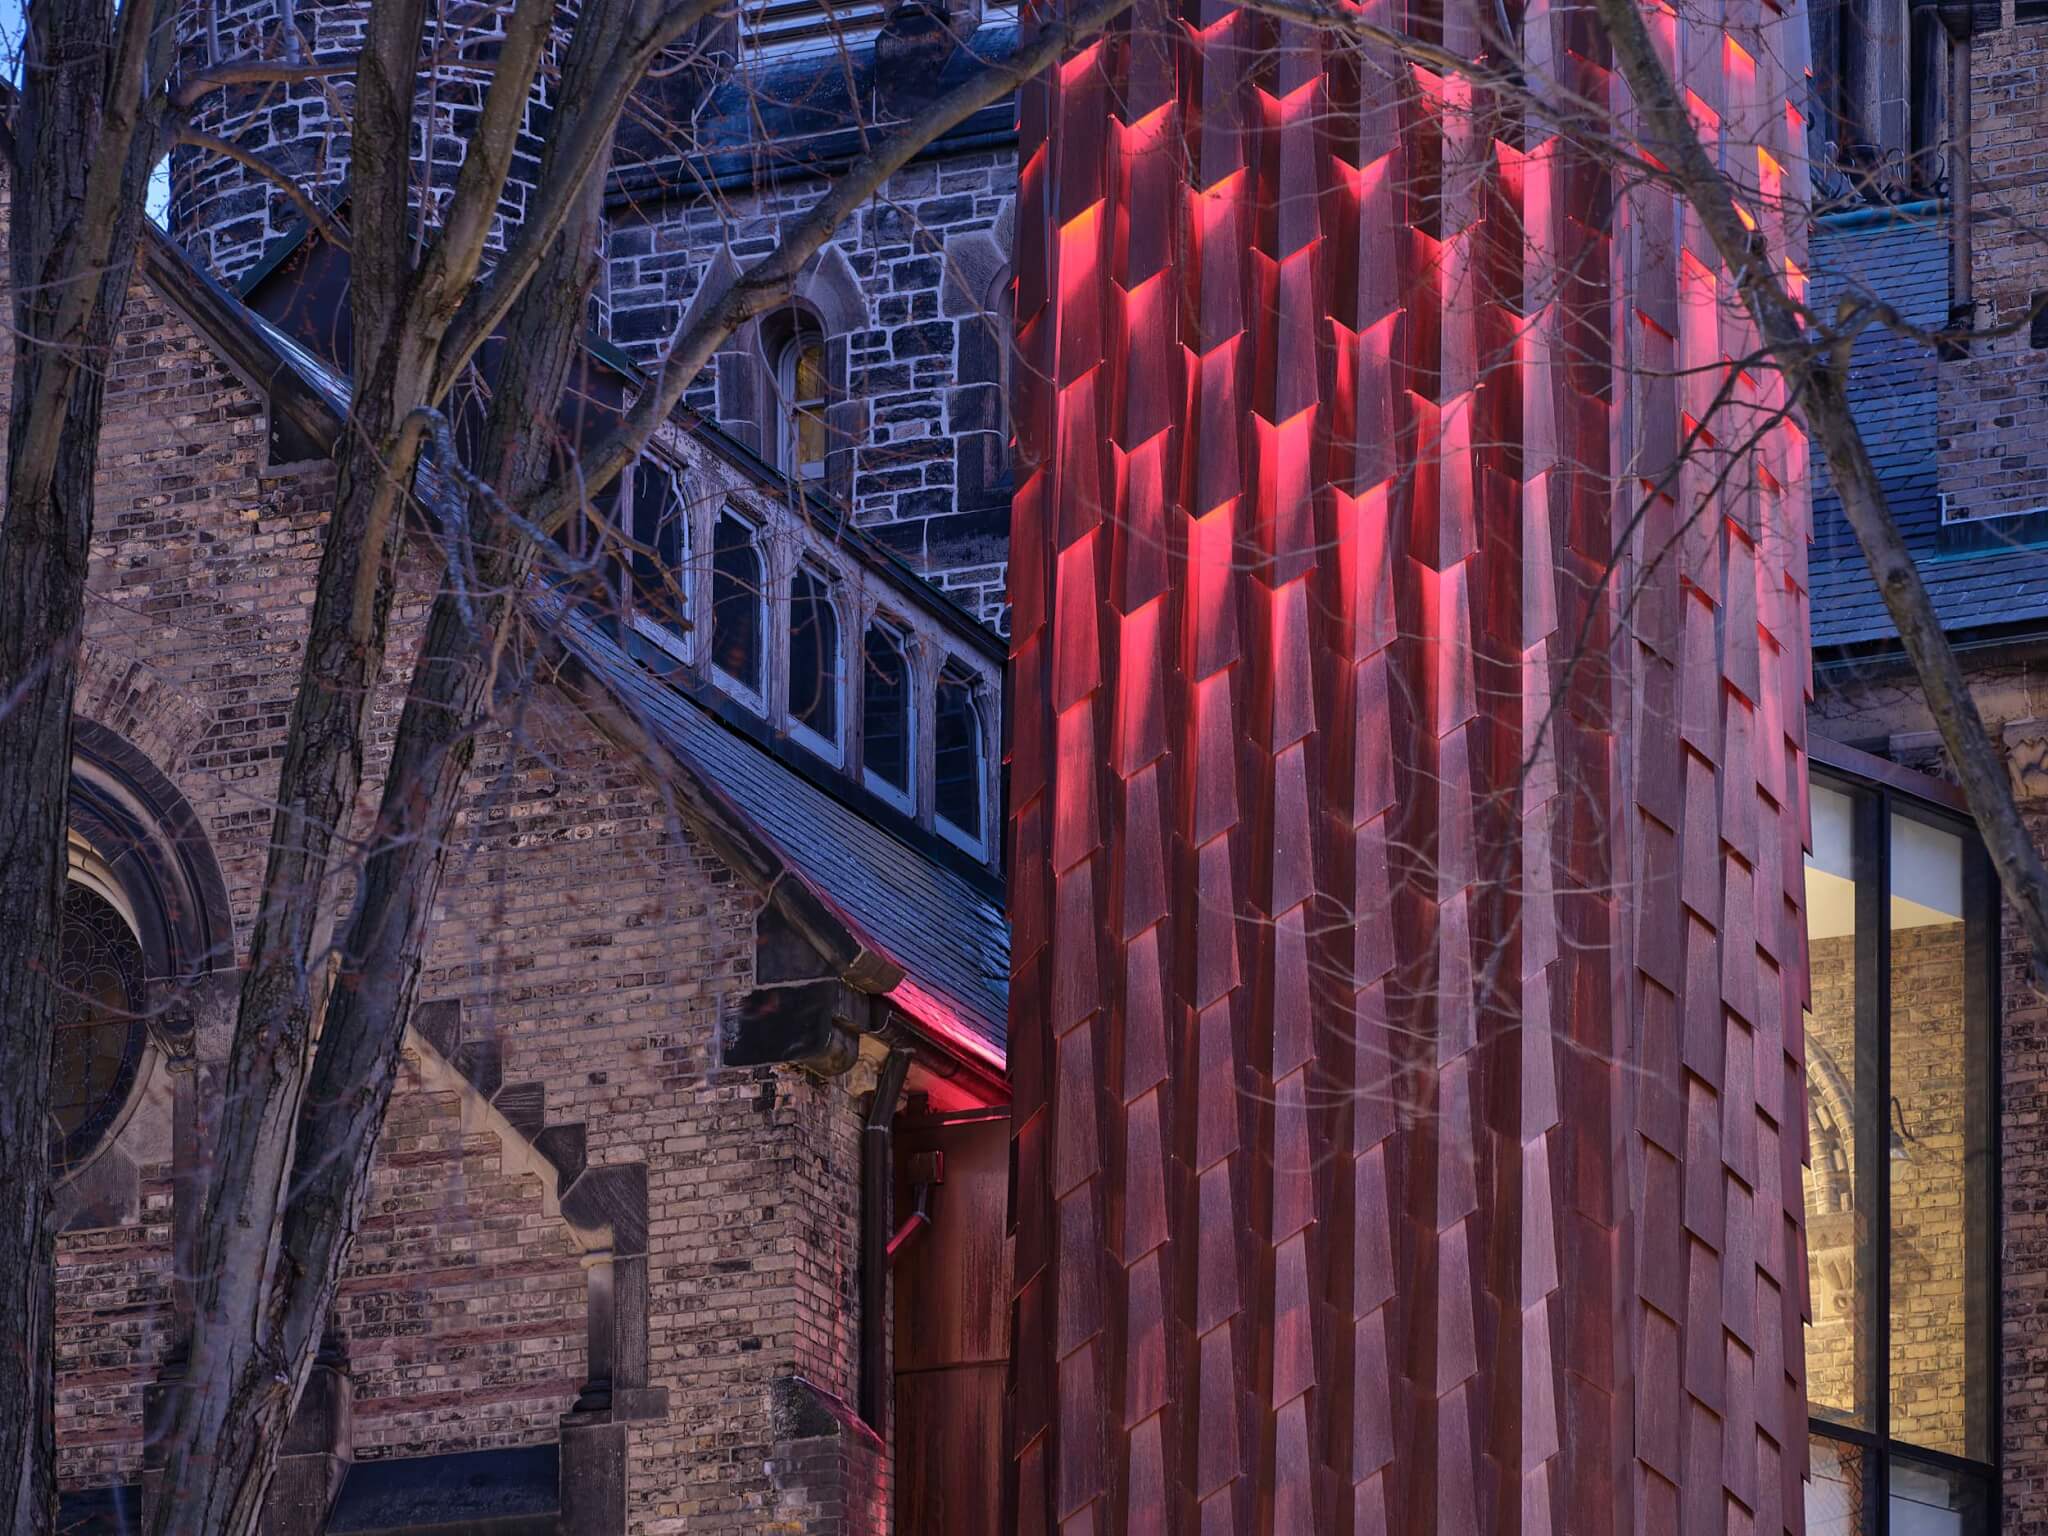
(897, 920)
(1979, 576)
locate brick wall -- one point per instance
(113, 1327)
(1993, 414)
(581, 922)
(909, 292)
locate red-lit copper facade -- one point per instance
(1406, 894)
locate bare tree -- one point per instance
(297, 1126)
(82, 139)
(1813, 353)
(316, 1043)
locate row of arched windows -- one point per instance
(846, 674)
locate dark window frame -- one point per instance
(1873, 806)
(660, 601)
(752, 691)
(974, 839)
(831, 747)
(903, 796)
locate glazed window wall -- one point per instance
(1901, 1189)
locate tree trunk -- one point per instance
(294, 1155)
(84, 132)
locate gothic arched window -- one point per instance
(815, 674)
(736, 606)
(659, 529)
(801, 391)
(957, 756)
(887, 761)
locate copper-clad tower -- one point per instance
(1408, 788)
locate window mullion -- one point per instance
(1984, 1202)
(1872, 855)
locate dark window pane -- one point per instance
(1926, 1500)
(659, 538)
(957, 750)
(1936, 1151)
(813, 655)
(736, 602)
(99, 1032)
(885, 707)
(1840, 1235)
(1835, 1489)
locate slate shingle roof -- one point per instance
(951, 940)
(797, 115)
(1893, 388)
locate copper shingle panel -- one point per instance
(1407, 803)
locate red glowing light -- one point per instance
(1080, 64)
(1795, 282)
(1706, 122)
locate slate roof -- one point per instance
(949, 938)
(797, 115)
(1977, 576)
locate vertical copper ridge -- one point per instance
(1407, 796)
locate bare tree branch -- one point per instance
(767, 282)
(585, 146)
(1820, 369)
(194, 87)
(181, 132)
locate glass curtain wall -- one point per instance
(1901, 1188)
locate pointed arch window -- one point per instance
(887, 760)
(737, 618)
(802, 391)
(958, 758)
(658, 528)
(816, 676)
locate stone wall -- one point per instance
(227, 214)
(912, 304)
(912, 298)
(582, 924)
